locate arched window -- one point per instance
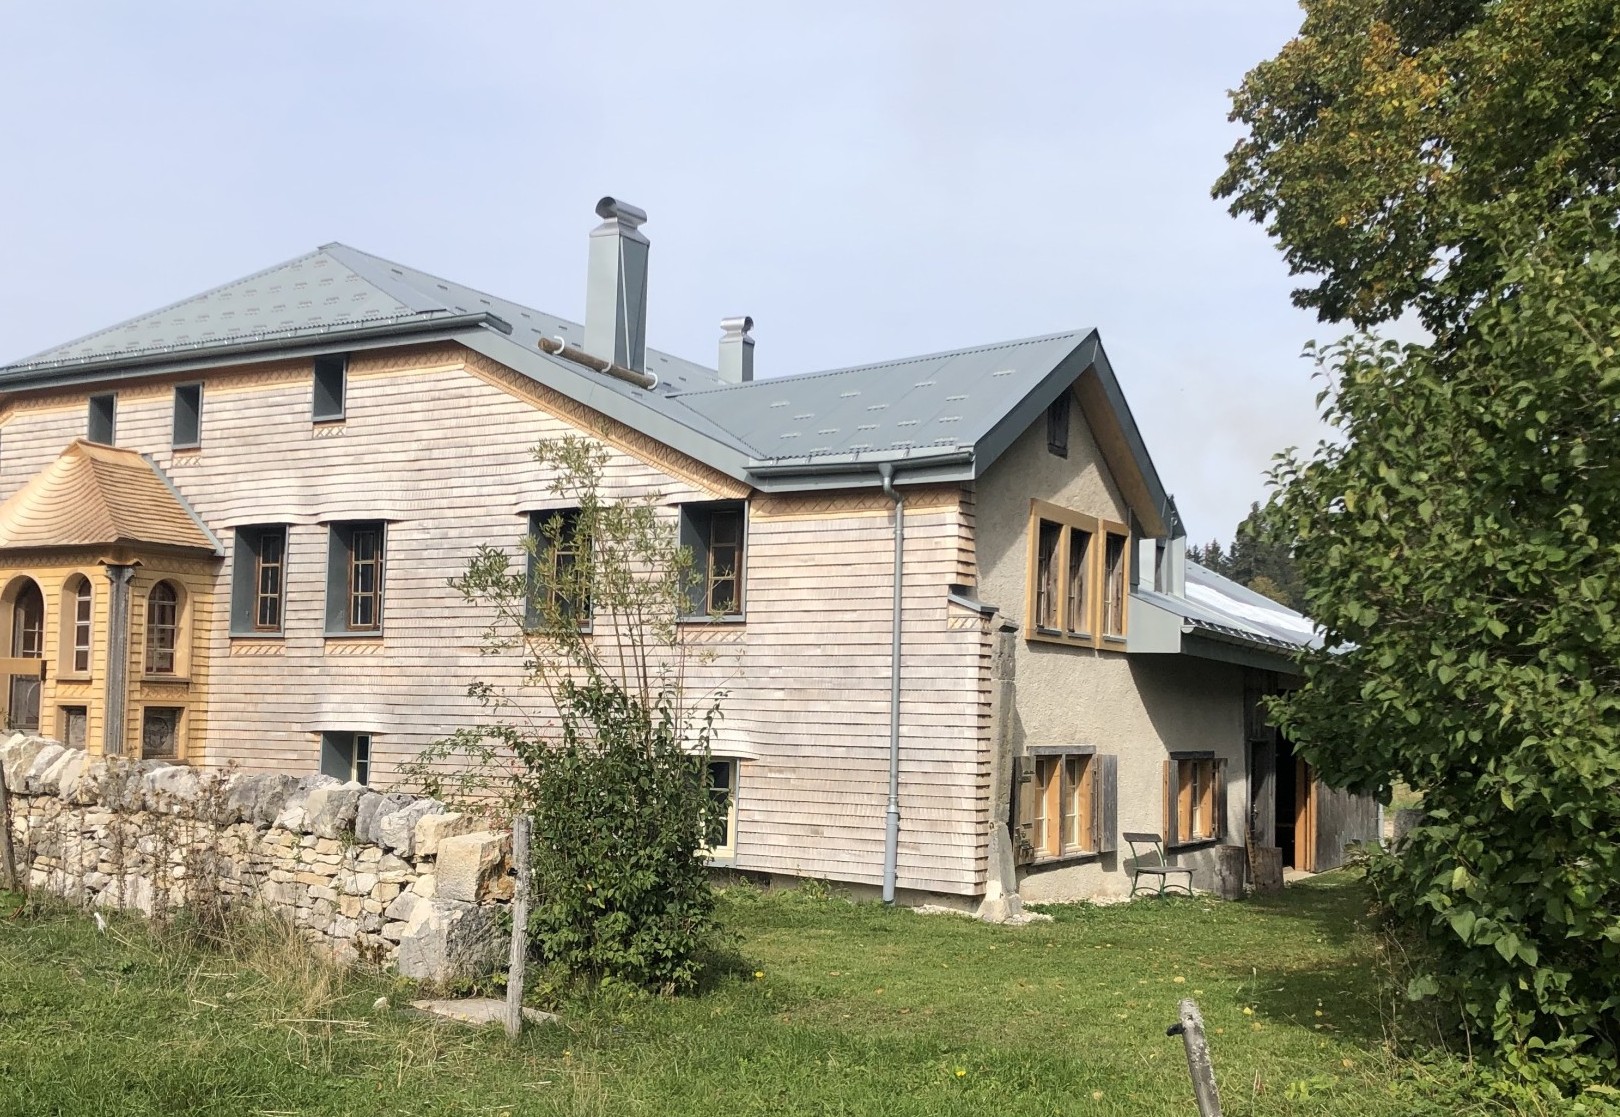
(162, 629)
(28, 623)
(77, 605)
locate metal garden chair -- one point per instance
(1141, 846)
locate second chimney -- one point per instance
(616, 286)
(736, 350)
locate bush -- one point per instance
(602, 749)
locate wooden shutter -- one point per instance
(1025, 793)
(1104, 803)
(1171, 796)
(1219, 829)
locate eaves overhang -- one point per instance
(1160, 626)
(859, 471)
(120, 367)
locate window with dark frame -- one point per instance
(1057, 425)
(162, 629)
(83, 604)
(1066, 803)
(1077, 578)
(160, 732)
(365, 577)
(720, 778)
(559, 568)
(346, 756)
(356, 572)
(187, 416)
(1195, 798)
(1078, 622)
(331, 374)
(258, 582)
(28, 623)
(1046, 577)
(1114, 574)
(716, 534)
(268, 581)
(102, 423)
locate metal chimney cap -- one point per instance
(734, 327)
(625, 213)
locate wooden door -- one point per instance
(1304, 817)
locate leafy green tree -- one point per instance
(603, 745)
(1388, 136)
(1459, 543)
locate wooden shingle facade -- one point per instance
(442, 393)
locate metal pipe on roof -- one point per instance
(891, 835)
(557, 347)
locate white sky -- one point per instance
(867, 180)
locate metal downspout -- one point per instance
(891, 837)
(113, 725)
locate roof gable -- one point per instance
(917, 405)
(94, 495)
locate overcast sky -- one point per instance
(867, 180)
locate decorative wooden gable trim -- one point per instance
(616, 434)
(860, 502)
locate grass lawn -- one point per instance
(836, 1009)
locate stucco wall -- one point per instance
(1140, 708)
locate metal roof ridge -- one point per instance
(890, 363)
(164, 309)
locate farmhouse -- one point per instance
(947, 596)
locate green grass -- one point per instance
(832, 1008)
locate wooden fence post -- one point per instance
(8, 857)
(520, 927)
(1190, 1028)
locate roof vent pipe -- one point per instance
(616, 286)
(736, 350)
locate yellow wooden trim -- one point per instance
(1068, 520)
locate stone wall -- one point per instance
(388, 879)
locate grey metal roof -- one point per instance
(1219, 607)
(334, 289)
(941, 417)
(943, 401)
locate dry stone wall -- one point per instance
(387, 879)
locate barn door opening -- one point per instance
(1295, 808)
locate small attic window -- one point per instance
(330, 374)
(1057, 426)
(103, 418)
(187, 416)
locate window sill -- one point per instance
(1193, 846)
(73, 677)
(728, 618)
(1062, 859)
(277, 635)
(175, 680)
(352, 634)
(721, 860)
